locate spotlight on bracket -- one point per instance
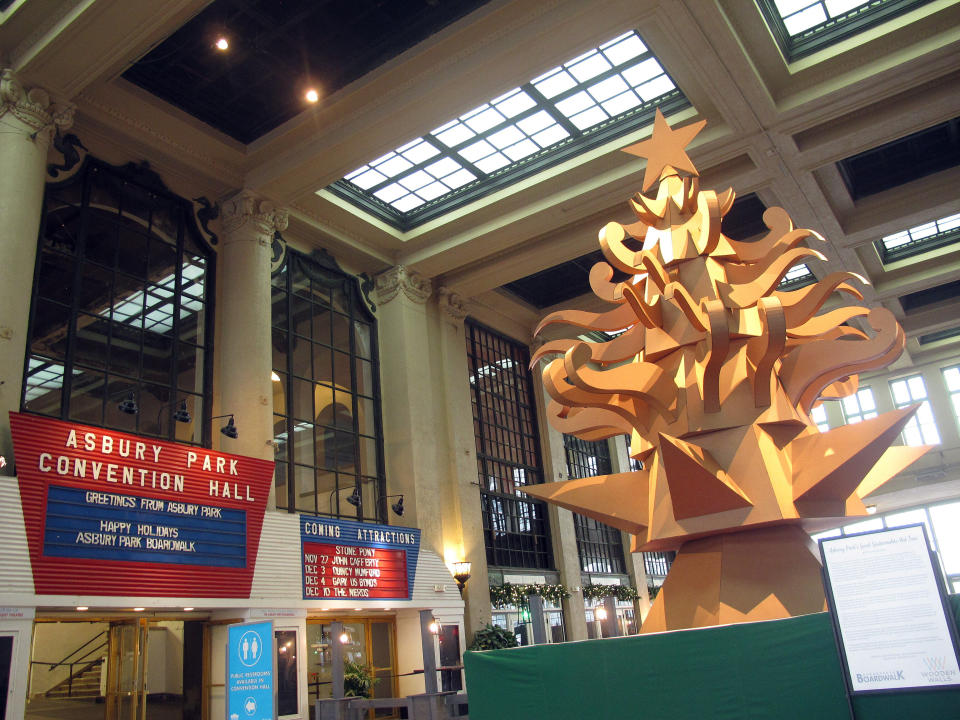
(129, 405)
(230, 429)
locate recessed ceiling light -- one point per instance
(312, 95)
(81, 608)
(138, 609)
(188, 609)
(222, 43)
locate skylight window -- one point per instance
(920, 239)
(797, 277)
(802, 27)
(591, 99)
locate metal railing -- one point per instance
(425, 706)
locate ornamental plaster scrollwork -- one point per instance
(452, 303)
(259, 219)
(390, 282)
(33, 108)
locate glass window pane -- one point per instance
(304, 489)
(946, 525)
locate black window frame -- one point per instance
(323, 271)
(599, 546)
(142, 180)
(516, 528)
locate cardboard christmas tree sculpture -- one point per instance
(714, 377)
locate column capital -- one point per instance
(258, 218)
(452, 304)
(390, 282)
(33, 107)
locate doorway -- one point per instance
(369, 642)
(109, 669)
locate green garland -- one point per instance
(623, 593)
(516, 595)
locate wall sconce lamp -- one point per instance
(461, 573)
(230, 429)
(397, 507)
(434, 626)
(600, 613)
(129, 405)
(182, 415)
(355, 498)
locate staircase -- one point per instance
(84, 683)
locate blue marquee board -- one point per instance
(108, 526)
(357, 561)
(251, 672)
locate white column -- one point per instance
(620, 462)
(243, 314)
(566, 556)
(410, 400)
(28, 121)
(463, 518)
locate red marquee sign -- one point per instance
(351, 571)
(109, 513)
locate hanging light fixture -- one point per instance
(129, 405)
(230, 429)
(182, 415)
(355, 499)
(397, 507)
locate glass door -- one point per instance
(126, 671)
(366, 641)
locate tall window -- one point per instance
(121, 307)
(600, 546)
(922, 428)
(326, 393)
(516, 530)
(859, 406)
(951, 376)
(819, 417)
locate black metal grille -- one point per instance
(122, 307)
(516, 529)
(326, 399)
(600, 546)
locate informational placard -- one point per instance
(251, 672)
(358, 561)
(890, 611)
(110, 513)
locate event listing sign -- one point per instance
(250, 672)
(109, 513)
(890, 612)
(358, 561)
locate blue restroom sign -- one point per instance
(250, 672)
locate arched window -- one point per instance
(121, 317)
(326, 392)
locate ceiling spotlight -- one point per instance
(222, 43)
(182, 415)
(312, 95)
(129, 406)
(355, 498)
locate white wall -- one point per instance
(51, 643)
(165, 658)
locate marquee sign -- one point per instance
(109, 513)
(357, 561)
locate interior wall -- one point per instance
(165, 658)
(52, 641)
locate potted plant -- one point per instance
(358, 680)
(492, 638)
